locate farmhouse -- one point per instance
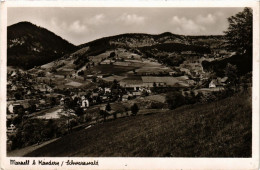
(94, 95)
(107, 62)
(172, 73)
(150, 81)
(188, 52)
(14, 88)
(62, 101)
(137, 93)
(119, 63)
(11, 129)
(128, 83)
(89, 75)
(84, 103)
(107, 90)
(213, 84)
(13, 107)
(125, 98)
(43, 88)
(219, 82)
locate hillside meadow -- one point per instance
(219, 129)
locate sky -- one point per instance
(80, 25)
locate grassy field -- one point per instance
(112, 69)
(218, 129)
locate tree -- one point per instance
(115, 84)
(239, 33)
(112, 54)
(104, 114)
(81, 73)
(134, 109)
(115, 114)
(175, 99)
(94, 79)
(53, 101)
(199, 96)
(191, 99)
(231, 73)
(79, 111)
(108, 107)
(18, 96)
(126, 110)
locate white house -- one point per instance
(107, 61)
(13, 107)
(62, 101)
(137, 93)
(13, 74)
(11, 129)
(107, 90)
(14, 88)
(124, 98)
(172, 73)
(84, 103)
(212, 84)
(219, 82)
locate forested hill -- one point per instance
(133, 40)
(30, 45)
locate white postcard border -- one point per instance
(136, 163)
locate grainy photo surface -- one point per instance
(129, 82)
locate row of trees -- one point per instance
(176, 99)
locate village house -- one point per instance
(219, 82)
(213, 84)
(11, 129)
(150, 81)
(43, 88)
(137, 93)
(13, 74)
(188, 53)
(119, 63)
(172, 73)
(9, 82)
(74, 96)
(12, 108)
(25, 105)
(128, 83)
(84, 103)
(125, 98)
(14, 88)
(104, 98)
(107, 90)
(107, 62)
(90, 76)
(41, 104)
(11, 116)
(94, 95)
(62, 101)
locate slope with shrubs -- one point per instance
(219, 129)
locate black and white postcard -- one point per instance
(129, 85)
